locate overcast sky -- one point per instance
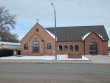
(69, 13)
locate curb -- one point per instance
(43, 61)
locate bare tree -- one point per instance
(7, 23)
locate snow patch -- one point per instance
(9, 43)
(84, 37)
(51, 34)
(100, 36)
(59, 57)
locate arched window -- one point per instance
(93, 48)
(65, 48)
(36, 46)
(76, 48)
(60, 48)
(49, 46)
(25, 46)
(71, 48)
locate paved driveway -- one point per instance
(99, 58)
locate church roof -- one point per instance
(77, 33)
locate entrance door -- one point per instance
(93, 48)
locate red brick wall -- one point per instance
(74, 56)
(42, 37)
(80, 44)
(105, 47)
(101, 45)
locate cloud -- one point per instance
(69, 13)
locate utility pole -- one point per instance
(55, 31)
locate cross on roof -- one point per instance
(37, 20)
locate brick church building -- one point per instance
(78, 40)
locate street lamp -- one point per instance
(55, 31)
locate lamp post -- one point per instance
(55, 31)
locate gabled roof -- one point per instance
(76, 33)
(30, 31)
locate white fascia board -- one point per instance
(85, 36)
(53, 36)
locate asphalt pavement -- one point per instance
(99, 58)
(54, 73)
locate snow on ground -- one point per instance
(59, 57)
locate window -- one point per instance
(93, 48)
(71, 48)
(49, 46)
(60, 48)
(37, 30)
(36, 47)
(25, 46)
(109, 49)
(65, 48)
(76, 48)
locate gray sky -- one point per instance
(69, 13)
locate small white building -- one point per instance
(10, 45)
(9, 49)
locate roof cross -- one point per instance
(37, 20)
